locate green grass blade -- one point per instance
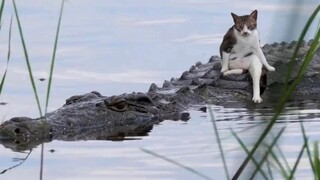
(275, 140)
(1, 10)
(305, 138)
(316, 160)
(27, 58)
(255, 147)
(283, 157)
(176, 163)
(284, 96)
(314, 46)
(318, 26)
(274, 156)
(215, 128)
(269, 170)
(282, 169)
(8, 58)
(297, 161)
(247, 152)
(305, 63)
(288, 90)
(54, 57)
(245, 129)
(300, 40)
(50, 80)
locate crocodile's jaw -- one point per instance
(22, 131)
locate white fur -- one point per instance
(233, 71)
(225, 61)
(246, 44)
(255, 71)
(245, 30)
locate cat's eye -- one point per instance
(252, 26)
(118, 105)
(238, 28)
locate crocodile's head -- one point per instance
(89, 116)
(93, 110)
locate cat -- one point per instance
(240, 51)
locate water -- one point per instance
(190, 143)
(115, 47)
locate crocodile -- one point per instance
(92, 116)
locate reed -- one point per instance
(9, 47)
(31, 74)
(25, 51)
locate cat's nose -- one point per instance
(245, 33)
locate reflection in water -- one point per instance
(117, 132)
(19, 162)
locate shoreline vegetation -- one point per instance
(272, 157)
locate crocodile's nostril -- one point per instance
(17, 141)
(17, 130)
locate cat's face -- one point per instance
(245, 25)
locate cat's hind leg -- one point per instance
(264, 60)
(255, 70)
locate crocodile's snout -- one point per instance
(8, 133)
(18, 129)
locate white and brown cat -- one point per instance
(240, 51)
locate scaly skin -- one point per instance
(85, 115)
(93, 116)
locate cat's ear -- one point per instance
(235, 17)
(254, 14)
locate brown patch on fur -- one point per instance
(229, 40)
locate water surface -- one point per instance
(115, 47)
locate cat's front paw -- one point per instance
(257, 100)
(224, 70)
(270, 68)
(226, 73)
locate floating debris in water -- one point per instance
(52, 150)
(203, 109)
(3, 103)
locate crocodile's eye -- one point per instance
(119, 105)
(17, 130)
